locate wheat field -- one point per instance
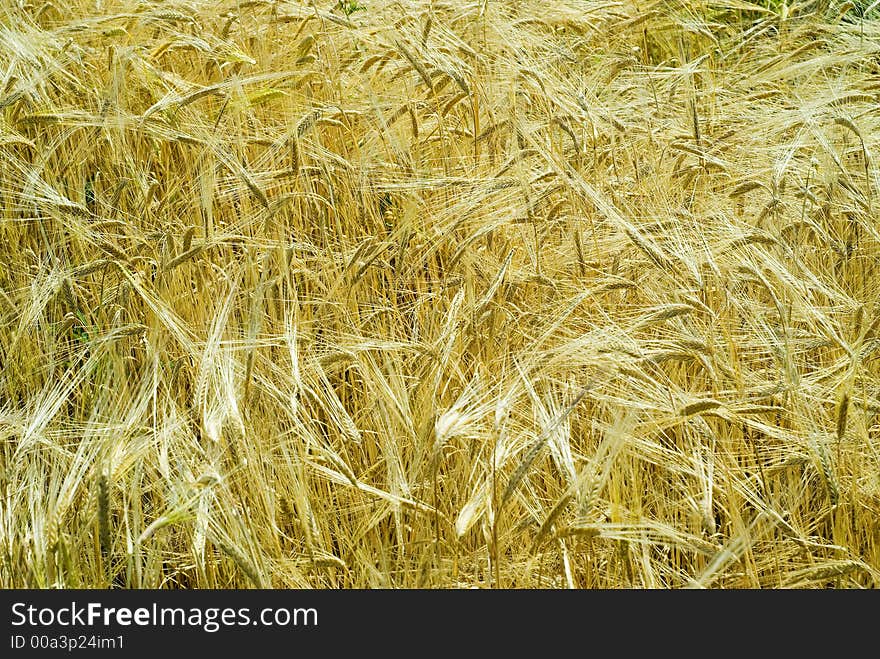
(439, 294)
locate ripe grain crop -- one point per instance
(439, 294)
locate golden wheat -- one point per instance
(438, 294)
